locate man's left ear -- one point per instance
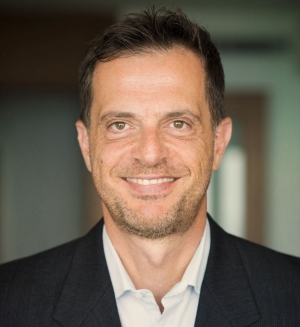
(222, 138)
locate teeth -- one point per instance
(149, 181)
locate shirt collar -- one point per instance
(119, 277)
(193, 275)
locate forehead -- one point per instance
(152, 79)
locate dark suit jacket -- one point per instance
(244, 285)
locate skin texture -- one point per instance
(150, 121)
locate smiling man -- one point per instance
(152, 130)
(151, 145)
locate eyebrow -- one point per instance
(173, 114)
(117, 114)
(180, 113)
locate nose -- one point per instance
(150, 149)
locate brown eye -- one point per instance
(179, 124)
(118, 126)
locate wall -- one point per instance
(40, 169)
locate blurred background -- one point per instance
(46, 195)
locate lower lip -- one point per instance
(154, 189)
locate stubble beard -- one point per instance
(176, 221)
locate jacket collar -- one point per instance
(226, 298)
(87, 298)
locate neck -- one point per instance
(156, 265)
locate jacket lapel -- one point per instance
(226, 298)
(87, 298)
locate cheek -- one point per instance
(107, 159)
(200, 158)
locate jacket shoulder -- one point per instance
(41, 275)
(40, 263)
(274, 278)
(256, 258)
(31, 288)
(261, 257)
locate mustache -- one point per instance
(138, 167)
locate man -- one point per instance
(152, 129)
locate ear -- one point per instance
(222, 138)
(83, 140)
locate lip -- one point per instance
(147, 181)
(150, 176)
(150, 185)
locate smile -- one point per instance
(149, 181)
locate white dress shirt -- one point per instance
(137, 308)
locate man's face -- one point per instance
(150, 146)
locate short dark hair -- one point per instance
(155, 30)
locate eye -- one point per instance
(179, 124)
(119, 126)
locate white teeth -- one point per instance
(149, 181)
